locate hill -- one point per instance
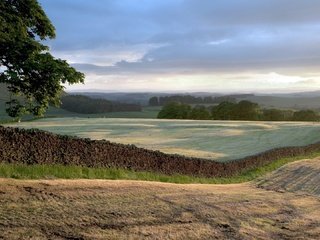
(289, 102)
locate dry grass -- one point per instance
(191, 152)
(102, 209)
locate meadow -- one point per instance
(215, 140)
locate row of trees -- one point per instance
(188, 99)
(244, 110)
(86, 105)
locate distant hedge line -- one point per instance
(40, 147)
(86, 105)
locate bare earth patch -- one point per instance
(101, 209)
(192, 152)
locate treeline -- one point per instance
(86, 105)
(244, 110)
(188, 99)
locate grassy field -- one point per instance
(218, 140)
(102, 209)
(147, 112)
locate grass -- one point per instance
(83, 209)
(20, 171)
(213, 140)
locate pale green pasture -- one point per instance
(218, 140)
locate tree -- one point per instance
(246, 110)
(199, 113)
(33, 76)
(174, 110)
(273, 115)
(223, 111)
(154, 101)
(306, 115)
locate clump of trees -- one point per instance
(175, 110)
(243, 110)
(86, 105)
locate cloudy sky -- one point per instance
(190, 45)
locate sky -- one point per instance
(260, 46)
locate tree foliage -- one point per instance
(153, 101)
(305, 115)
(276, 115)
(223, 111)
(174, 110)
(246, 110)
(199, 113)
(32, 74)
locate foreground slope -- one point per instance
(300, 177)
(98, 209)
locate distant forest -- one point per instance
(86, 105)
(188, 99)
(244, 110)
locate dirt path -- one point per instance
(99, 209)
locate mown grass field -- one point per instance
(216, 140)
(102, 209)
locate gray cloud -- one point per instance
(188, 36)
(285, 54)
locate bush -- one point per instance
(175, 110)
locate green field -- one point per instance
(217, 140)
(147, 112)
